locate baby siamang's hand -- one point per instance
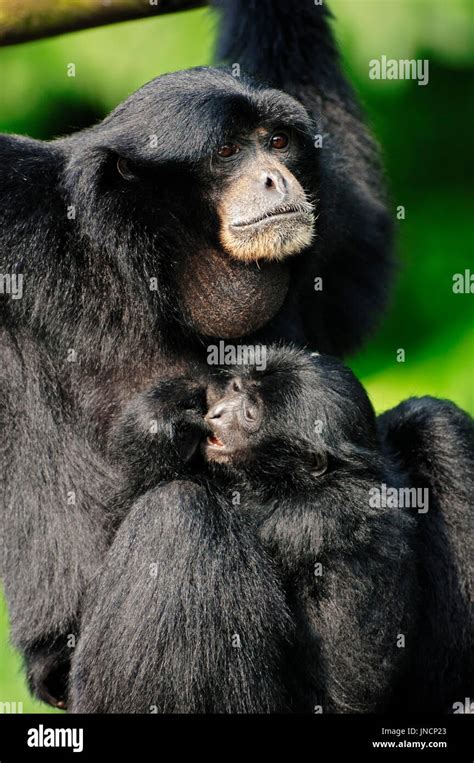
(159, 431)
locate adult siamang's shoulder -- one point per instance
(33, 212)
(29, 172)
(22, 157)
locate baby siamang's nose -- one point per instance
(216, 412)
(273, 180)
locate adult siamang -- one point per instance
(205, 205)
(307, 567)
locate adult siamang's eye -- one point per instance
(237, 386)
(279, 141)
(125, 169)
(228, 150)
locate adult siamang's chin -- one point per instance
(223, 297)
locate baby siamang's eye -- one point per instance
(237, 386)
(279, 141)
(125, 170)
(228, 150)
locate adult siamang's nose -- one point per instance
(274, 181)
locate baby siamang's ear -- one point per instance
(319, 464)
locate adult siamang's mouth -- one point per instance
(301, 212)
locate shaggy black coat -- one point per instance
(274, 581)
(89, 332)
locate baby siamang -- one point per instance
(188, 613)
(205, 205)
(279, 578)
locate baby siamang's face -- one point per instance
(236, 421)
(261, 416)
(301, 412)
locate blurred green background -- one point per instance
(425, 134)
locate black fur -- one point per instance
(210, 622)
(383, 625)
(290, 46)
(433, 441)
(89, 333)
(188, 614)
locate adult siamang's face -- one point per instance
(211, 178)
(263, 210)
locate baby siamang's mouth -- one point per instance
(280, 214)
(215, 441)
(215, 450)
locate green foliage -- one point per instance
(425, 133)
(12, 682)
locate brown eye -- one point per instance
(124, 169)
(228, 150)
(279, 141)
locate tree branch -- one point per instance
(24, 20)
